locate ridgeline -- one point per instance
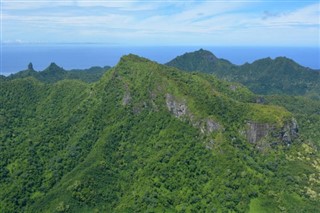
(147, 137)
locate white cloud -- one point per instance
(190, 21)
(110, 4)
(8, 5)
(200, 18)
(38, 4)
(308, 15)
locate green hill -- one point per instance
(201, 60)
(54, 73)
(264, 76)
(305, 110)
(150, 138)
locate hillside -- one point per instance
(151, 138)
(54, 73)
(201, 60)
(305, 110)
(265, 76)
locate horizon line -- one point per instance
(152, 45)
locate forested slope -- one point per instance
(264, 76)
(151, 138)
(54, 73)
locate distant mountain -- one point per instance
(201, 60)
(92, 74)
(54, 73)
(151, 138)
(264, 76)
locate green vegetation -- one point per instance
(150, 138)
(264, 76)
(54, 73)
(201, 60)
(305, 110)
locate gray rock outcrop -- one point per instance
(255, 132)
(289, 132)
(178, 108)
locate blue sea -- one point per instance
(16, 57)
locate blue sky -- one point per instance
(225, 23)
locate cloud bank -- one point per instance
(271, 23)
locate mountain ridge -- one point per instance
(149, 137)
(54, 73)
(263, 76)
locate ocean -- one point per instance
(16, 57)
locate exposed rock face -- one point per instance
(209, 126)
(289, 132)
(30, 66)
(179, 109)
(257, 131)
(212, 126)
(126, 99)
(233, 87)
(260, 100)
(210, 144)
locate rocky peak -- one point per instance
(30, 66)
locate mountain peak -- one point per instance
(132, 58)
(53, 67)
(278, 60)
(205, 53)
(285, 59)
(30, 66)
(160, 125)
(200, 60)
(201, 54)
